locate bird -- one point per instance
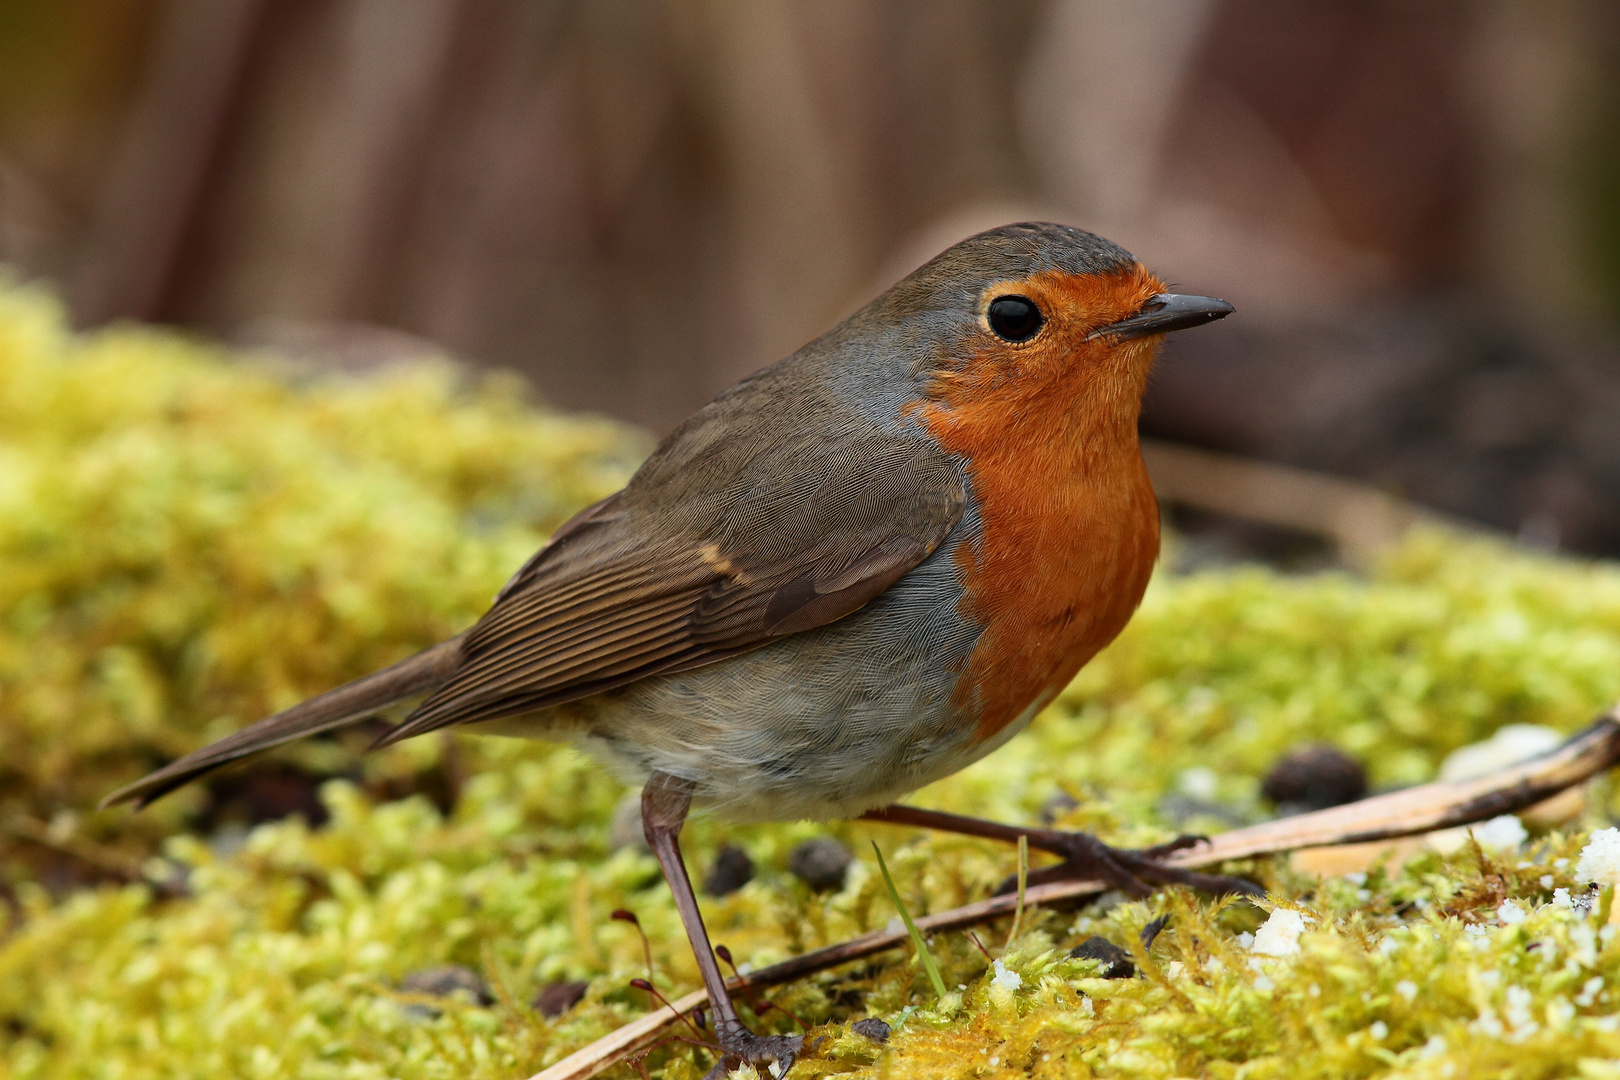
(855, 572)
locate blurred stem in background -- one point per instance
(633, 204)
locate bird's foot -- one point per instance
(770, 1055)
(1136, 871)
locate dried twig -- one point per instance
(1403, 813)
(109, 861)
(1360, 519)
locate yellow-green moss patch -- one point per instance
(188, 540)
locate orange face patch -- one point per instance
(1074, 305)
(1070, 527)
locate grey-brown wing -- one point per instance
(670, 576)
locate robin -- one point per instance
(851, 574)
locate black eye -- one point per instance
(1015, 318)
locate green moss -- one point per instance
(187, 541)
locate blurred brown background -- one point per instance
(1413, 205)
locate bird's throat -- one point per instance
(1069, 535)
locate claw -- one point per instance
(1180, 843)
(1214, 884)
(740, 1047)
(1135, 872)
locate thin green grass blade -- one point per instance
(923, 954)
(1023, 880)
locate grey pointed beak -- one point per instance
(1164, 313)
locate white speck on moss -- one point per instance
(1510, 913)
(1487, 1024)
(1501, 834)
(1517, 1013)
(1407, 989)
(1561, 898)
(1280, 934)
(1199, 782)
(1379, 1031)
(1600, 858)
(1005, 979)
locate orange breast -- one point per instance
(1070, 526)
(1058, 573)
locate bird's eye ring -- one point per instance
(1015, 318)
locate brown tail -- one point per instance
(347, 704)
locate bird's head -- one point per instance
(1036, 320)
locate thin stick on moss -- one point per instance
(924, 957)
(99, 857)
(1421, 809)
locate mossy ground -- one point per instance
(187, 542)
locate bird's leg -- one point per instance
(664, 803)
(1133, 870)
